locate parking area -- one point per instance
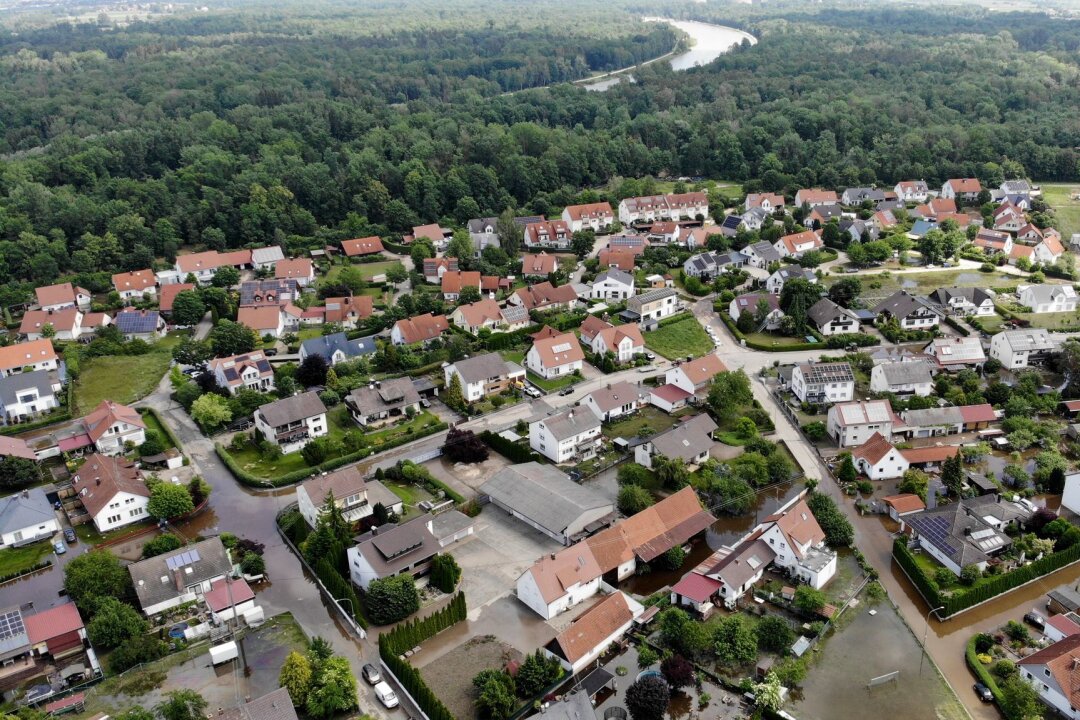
(500, 549)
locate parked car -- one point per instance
(270, 353)
(983, 692)
(532, 392)
(59, 547)
(425, 403)
(650, 356)
(386, 695)
(371, 674)
(1035, 619)
(69, 535)
(568, 390)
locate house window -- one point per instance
(136, 512)
(113, 519)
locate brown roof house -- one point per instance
(292, 422)
(393, 549)
(276, 705)
(879, 460)
(355, 496)
(555, 356)
(112, 491)
(56, 297)
(111, 425)
(135, 283)
(183, 575)
(592, 632)
(486, 313)
(597, 216)
(362, 246)
(419, 329)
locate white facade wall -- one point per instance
(46, 528)
(125, 508)
(529, 593)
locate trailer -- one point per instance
(223, 653)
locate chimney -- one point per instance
(178, 579)
(552, 556)
(98, 480)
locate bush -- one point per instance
(646, 656)
(633, 474)
(391, 600)
(970, 574)
(139, 649)
(633, 499)
(161, 544)
(809, 600)
(647, 698)
(838, 529)
(445, 573)
(253, 564)
(512, 451)
(815, 431)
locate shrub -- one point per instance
(647, 698)
(445, 573)
(646, 656)
(390, 600)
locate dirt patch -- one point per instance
(451, 677)
(467, 476)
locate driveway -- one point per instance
(500, 549)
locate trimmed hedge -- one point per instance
(26, 571)
(405, 637)
(836, 342)
(58, 416)
(505, 341)
(981, 671)
(957, 326)
(959, 601)
(792, 347)
(513, 452)
(297, 475)
(340, 588)
(168, 430)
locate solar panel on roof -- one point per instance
(188, 557)
(561, 347)
(11, 624)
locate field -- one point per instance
(680, 339)
(152, 424)
(450, 677)
(123, 378)
(770, 339)
(1066, 209)
(367, 270)
(881, 285)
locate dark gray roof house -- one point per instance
(26, 511)
(337, 347)
(292, 409)
(384, 398)
(900, 305)
(730, 226)
(824, 311)
(12, 385)
(175, 577)
(276, 705)
(392, 549)
(483, 367)
(859, 195)
(267, 292)
(138, 322)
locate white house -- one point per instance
(967, 532)
(910, 311)
(228, 598)
(877, 459)
(614, 401)
(761, 254)
(25, 517)
(559, 581)
(1019, 348)
(292, 422)
(26, 395)
(813, 197)
(691, 441)
(391, 550)
(112, 491)
(902, 378)
(568, 436)
(135, 284)
(1050, 672)
(695, 376)
(555, 356)
(184, 575)
(57, 297)
(769, 202)
(965, 189)
(749, 303)
(66, 323)
(27, 357)
(250, 371)
(612, 284)
(823, 382)
(484, 375)
(350, 492)
(592, 633)
(595, 216)
(798, 243)
(112, 426)
(1070, 497)
(965, 300)
(852, 424)
(831, 319)
(775, 282)
(625, 341)
(652, 306)
(682, 206)
(1047, 298)
(912, 191)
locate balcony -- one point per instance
(291, 434)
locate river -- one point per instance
(709, 42)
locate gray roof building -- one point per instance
(276, 705)
(12, 385)
(164, 577)
(264, 255)
(933, 417)
(906, 373)
(392, 548)
(547, 499)
(824, 311)
(828, 212)
(766, 251)
(1027, 340)
(575, 706)
(1016, 187)
(329, 345)
(859, 195)
(484, 367)
(25, 509)
(900, 304)
(137, 322)
(386, 396)
(959, 532)
(687, 440)
(635, 303)
(615, 274)
(292, 409)
(975, 295)
(569, 423)
(267, 292)
(14, 639)
(816, 373)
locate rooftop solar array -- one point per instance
(188, 557)
(936, 529)
(11, 624)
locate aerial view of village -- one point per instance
(568, 361)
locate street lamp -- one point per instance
(926, 631)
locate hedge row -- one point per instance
(26, 571)
(512, 451)
(450, 492)
(164, 426)
(57, 416)
(505, 341)
(957, 326)
(959, 601)
(677, 318)
(408, 635)
(981, 671)
(393, 644)
(297, 475)
(340, 588)
(397, 248)
(835, 342)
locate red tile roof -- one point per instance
(56, 294)
(904, 503)
(978, 413)
(593, 627)
(696, 587)
(362, 246)
(134, 280)
(168, 295)
(874, 449)
(54, 622)
(15, 447)
(295, 269)
(106, 414)
(587, 212)
(421, 328)
(101, 477)
(218, 597)
(62, 320)
(936, 453)
(670, 393)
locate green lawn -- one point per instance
(1066, 209)
(152, 424)
(765, 338)
(15, 560)
(367, 270)
(650, 419)
(123, 378)
(339, 423)
(518, 356)
(883, 284)
(680, 339)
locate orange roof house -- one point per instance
(362, 246)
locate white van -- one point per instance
(386, 695)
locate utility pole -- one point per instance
(232, 628)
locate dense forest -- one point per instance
(119, 145)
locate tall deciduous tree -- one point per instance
(168, 501)
(188, 308)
